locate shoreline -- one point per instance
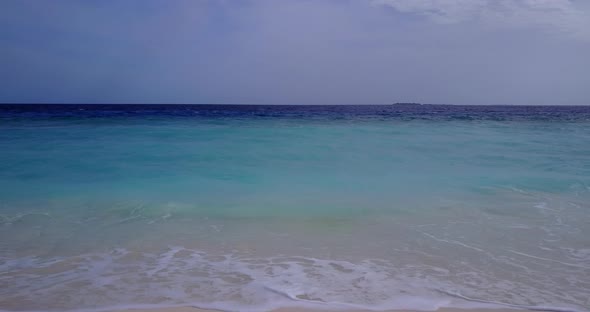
(297, 309)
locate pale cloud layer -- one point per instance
(295, 51)
(553, 15)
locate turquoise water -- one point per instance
(241, 211)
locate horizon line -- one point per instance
(258, 104)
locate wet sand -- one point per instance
(190, 309)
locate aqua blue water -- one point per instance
(252, 207)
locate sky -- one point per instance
(295, 51)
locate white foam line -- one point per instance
(543, 206)
(547, 259)
(477, 249)
(131, 218)
(136, 209)
(333, 305)
(7, 219)
(453, 242)
(516, 306)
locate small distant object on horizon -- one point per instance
(407, 104)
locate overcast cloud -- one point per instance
(562, 16)
(295, 51)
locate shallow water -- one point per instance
(251, 207)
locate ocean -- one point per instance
(253, 207)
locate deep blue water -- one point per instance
(401, 112)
